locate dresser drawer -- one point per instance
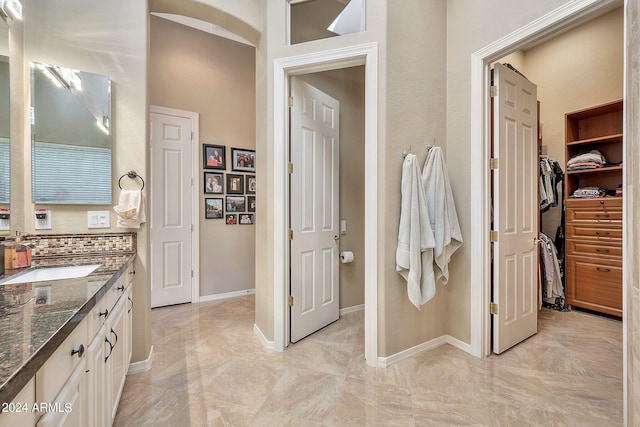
(594, 249)
(602, 216)
(603, 203)
(594, 232)
(594, 284)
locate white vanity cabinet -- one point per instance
(20, 411)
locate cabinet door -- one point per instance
(96, 384)
(128, 328)
(69, 407)
(115, 361)
(20, 411)
(595, 284)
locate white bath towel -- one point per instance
(414, 255)
(442, 212)
(130, 209)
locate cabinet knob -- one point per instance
(120, 288)
(79, 351)
(132, 272)
(104, 313)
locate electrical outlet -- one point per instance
(42, 219)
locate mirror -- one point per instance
(5, 158)
(320, 19)
(71, 142)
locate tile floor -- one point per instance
(210, 370)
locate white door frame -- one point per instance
(557, 20)
(367, 55)
(195, 195)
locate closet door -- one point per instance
(515, 272)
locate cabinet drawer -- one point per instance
(603, 216)
(591, 249)
(595, 285)
(604, 203)
(594, 232)
(54, 373)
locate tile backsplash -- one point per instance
(60, 245)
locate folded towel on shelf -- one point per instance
(584, 165)
(130, 209)
(592, 156)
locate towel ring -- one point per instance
(131, 175)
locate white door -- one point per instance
(515, 207)
(314, 209)
(171, 209)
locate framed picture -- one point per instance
(213, 157)
(243, 160)
(235, 184)
(232, 219)
(251, 184)
(246, 218)
(213, 208)
(251, 203)
(235, 204)
(213, 183)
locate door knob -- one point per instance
(536, 241)
(336, 238)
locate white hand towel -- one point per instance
(414, 255)
(442, 212)
(130, 209)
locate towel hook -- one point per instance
(131, 175)
(404, 153)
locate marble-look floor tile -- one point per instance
(210, 369)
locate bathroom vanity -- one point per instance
(66, 345)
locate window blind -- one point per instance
(70, 174)
(5, 171)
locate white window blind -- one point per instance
(71, 174)
(5, 171)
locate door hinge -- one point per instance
(290, 300)
(290, 234)
(191, 136)
(493, 308)
(493, 236)
(290, 168)
(192, 228)
(191, 273)
(290, 101)
(493, 163)
(493, 90)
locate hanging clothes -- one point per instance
(551, 175)
(414, 254)
(553, 295)
(442, 212)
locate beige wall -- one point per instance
(214, 77)
(347, 86)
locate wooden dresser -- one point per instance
(593, 264)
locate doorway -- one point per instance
(367, 55)
(526, 37)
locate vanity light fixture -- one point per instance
(11, 8)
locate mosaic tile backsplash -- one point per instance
(60, 245)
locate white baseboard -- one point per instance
(384, 362)
(227, 295)
(269, 345)
(351, 309)
(143, 365)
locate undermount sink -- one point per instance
(41, 274)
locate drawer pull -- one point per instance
(130, 308)
(79, 351)
(602, 233)
(604, 251)
(110, 349)
(606, 270)
(116, 335)
(104, 313)
(602, 215)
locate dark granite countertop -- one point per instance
(35, 318)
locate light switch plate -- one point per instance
(98, 219)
